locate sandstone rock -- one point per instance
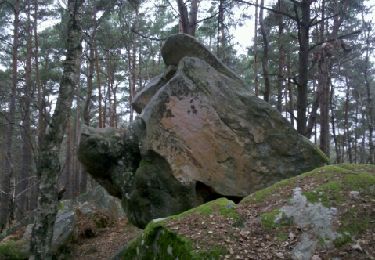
(181, 45)
(142, 98)
(211, 130)
(201, 135)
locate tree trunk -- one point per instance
(221, 40)
(48, 162)
(90, 76)
(324, 92)
(265, 60)
(25, 174)
(290, 90)
(97, 68)
(346, 121)
(370, 103)
(280, 76)
(188, 21)
(6, 200)
(333, 126)
(256, 77)
(303, 62)
(40, 102)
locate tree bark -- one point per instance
(303, 26)
(280, 76)
(221, 39)
(48, 162)
(6, 200)
(25, 174)
(255, 64)
(370, 103)
(265, 59)
(40, 103)
(188, 20)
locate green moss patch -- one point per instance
(353, 223)
(14, 250)
(262, 195)
(274, 219)
(222, 206)
(158, 242)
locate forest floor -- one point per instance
(250, 239)
(106, 243)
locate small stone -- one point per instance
(210, 232)
(357, 247)
(354, 194)
(315, 257)
(292, 236)
(280, 255)
(231, 251)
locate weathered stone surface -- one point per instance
(200, 135)
(211, 130)
(142, 98)
(181, 45)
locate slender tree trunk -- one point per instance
(221, 40)
(303, 62)
(188, 20)
(333, 126)
(369, 103)
(265, 59)
(6, 200)
(280, 76)
(97, 68)
(48, 162)
(256, 77)
(40, 103)
(90, 76)
(346, 121)
(23, 181)
(290, 90)
(324, 92)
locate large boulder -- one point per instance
(200, 135)
(327, 213)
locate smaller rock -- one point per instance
(315, 257)
(354, 194)
(280, 255)
(292, 236)
(357, 247)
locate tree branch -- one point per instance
(333, 39)
(267, 8)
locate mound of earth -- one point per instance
(327, 213)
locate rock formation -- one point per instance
(200, 135)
